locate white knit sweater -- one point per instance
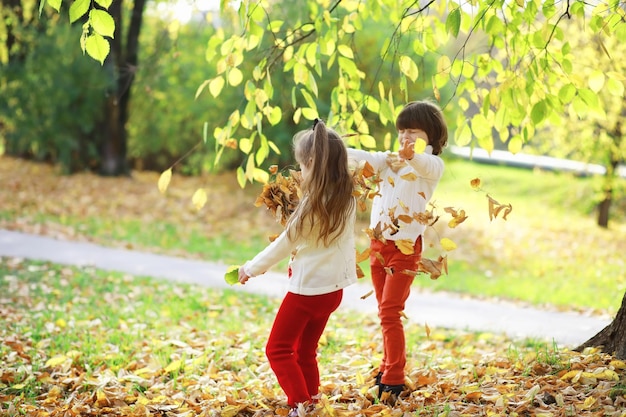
(315, 269)
(399, 195)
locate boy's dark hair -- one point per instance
(427, 116)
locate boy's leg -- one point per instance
(320, 308)
(392, 293)
(379, 277)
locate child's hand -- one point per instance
(243, 277)
(407, 151)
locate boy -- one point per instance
(407, 182)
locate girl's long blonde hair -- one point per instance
(328, 189)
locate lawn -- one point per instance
(548, 252)
(78, 341)
(81, 342)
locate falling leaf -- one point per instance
(273, 169)
(495, 208)
(410, 176)
(367, 294)
(232, 275)
(427, 330)
(362, 256)
(434, 268)
(420, 146)
(391, 181)
(475, 183)
(359, 272)
(447, 244)
(458, 217)
(164, 180)
(199, 198)
(406, 246)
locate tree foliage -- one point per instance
(500, 61)
(503, 69)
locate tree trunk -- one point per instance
(611, 339)
(604, 208)
(121, 64)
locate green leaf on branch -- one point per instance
(453, 22)
(55, 4)
(408, 68)
(539, 112)
(97, 47)
(78, 9)
(104, 3)
(102, 22)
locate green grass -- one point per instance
(548, 252)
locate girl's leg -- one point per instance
(291, 347)
(320, 308)
(281, 346)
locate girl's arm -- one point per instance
(375, 159)
(276, 251)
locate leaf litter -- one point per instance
(129, 346)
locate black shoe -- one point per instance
(389, 394)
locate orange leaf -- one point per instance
(361, 256)
(475, 183)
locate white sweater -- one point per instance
(393, 189)
(315, 269)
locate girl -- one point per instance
(319, 236)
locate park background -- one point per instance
(204, 348)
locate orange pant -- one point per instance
(392, 290)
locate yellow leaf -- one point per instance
(427, 330)
(406, 246)
(419, 146)
(409, 176)
(57, 360)
(61, 323)
(359, 378)
(447, 244)
(235, 77)
(164, 180)
(199, 198)
(174, 366)
(216, 85)
(390, 179)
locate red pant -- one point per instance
(292, 346)
(392, 292)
